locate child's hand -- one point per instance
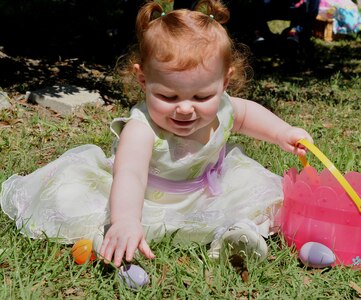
(287, 140)
(123, 238)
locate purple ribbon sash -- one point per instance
(208, 179)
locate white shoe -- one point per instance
(239, 241)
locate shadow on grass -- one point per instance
(327, 72)
(319, 63)
(77, 43)
(22, 74)
(320, 60)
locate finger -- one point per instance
(309, 138)
(131, 247)
(304, 135)
(118, 255)
(103, 247)
(145, 249)
(300, 151)
(109, 251)
(289, 148)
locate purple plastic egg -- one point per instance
(133, 276)
(316, 255)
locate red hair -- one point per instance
(185, 39)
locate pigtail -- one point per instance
(213, 8)
(149, 12)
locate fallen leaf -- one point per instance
(15, 121)
(164, 275)
(307, 280)
(59, 253)
(328, 125)
(7, 280)
(108, 108)
(271, 257)
(356, 287)
(4, 265)
(208, 277)
(240, 266)
(69, 291)
(96, 73)
(4, 124)
(183, 260)
(37, 285)
(245, 276)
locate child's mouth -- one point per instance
(183, 123)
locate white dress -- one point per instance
(69, 198)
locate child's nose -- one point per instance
(185, 107)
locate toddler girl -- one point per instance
(172, 170)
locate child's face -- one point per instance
(183, 102)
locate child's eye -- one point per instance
(167, 98)
(203, 98)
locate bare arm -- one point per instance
(130, 176)
(130, 172)
(258, 122)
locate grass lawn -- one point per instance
(324, 98)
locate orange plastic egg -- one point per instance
(82, 251)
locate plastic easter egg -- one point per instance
(133, 276)
(82, 251)
(316, 255)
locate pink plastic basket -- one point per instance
(322, 208)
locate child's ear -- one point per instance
(140, 75)
(227, 78)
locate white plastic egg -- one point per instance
(133, 276)
(316, 255)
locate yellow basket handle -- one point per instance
(331, 167)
